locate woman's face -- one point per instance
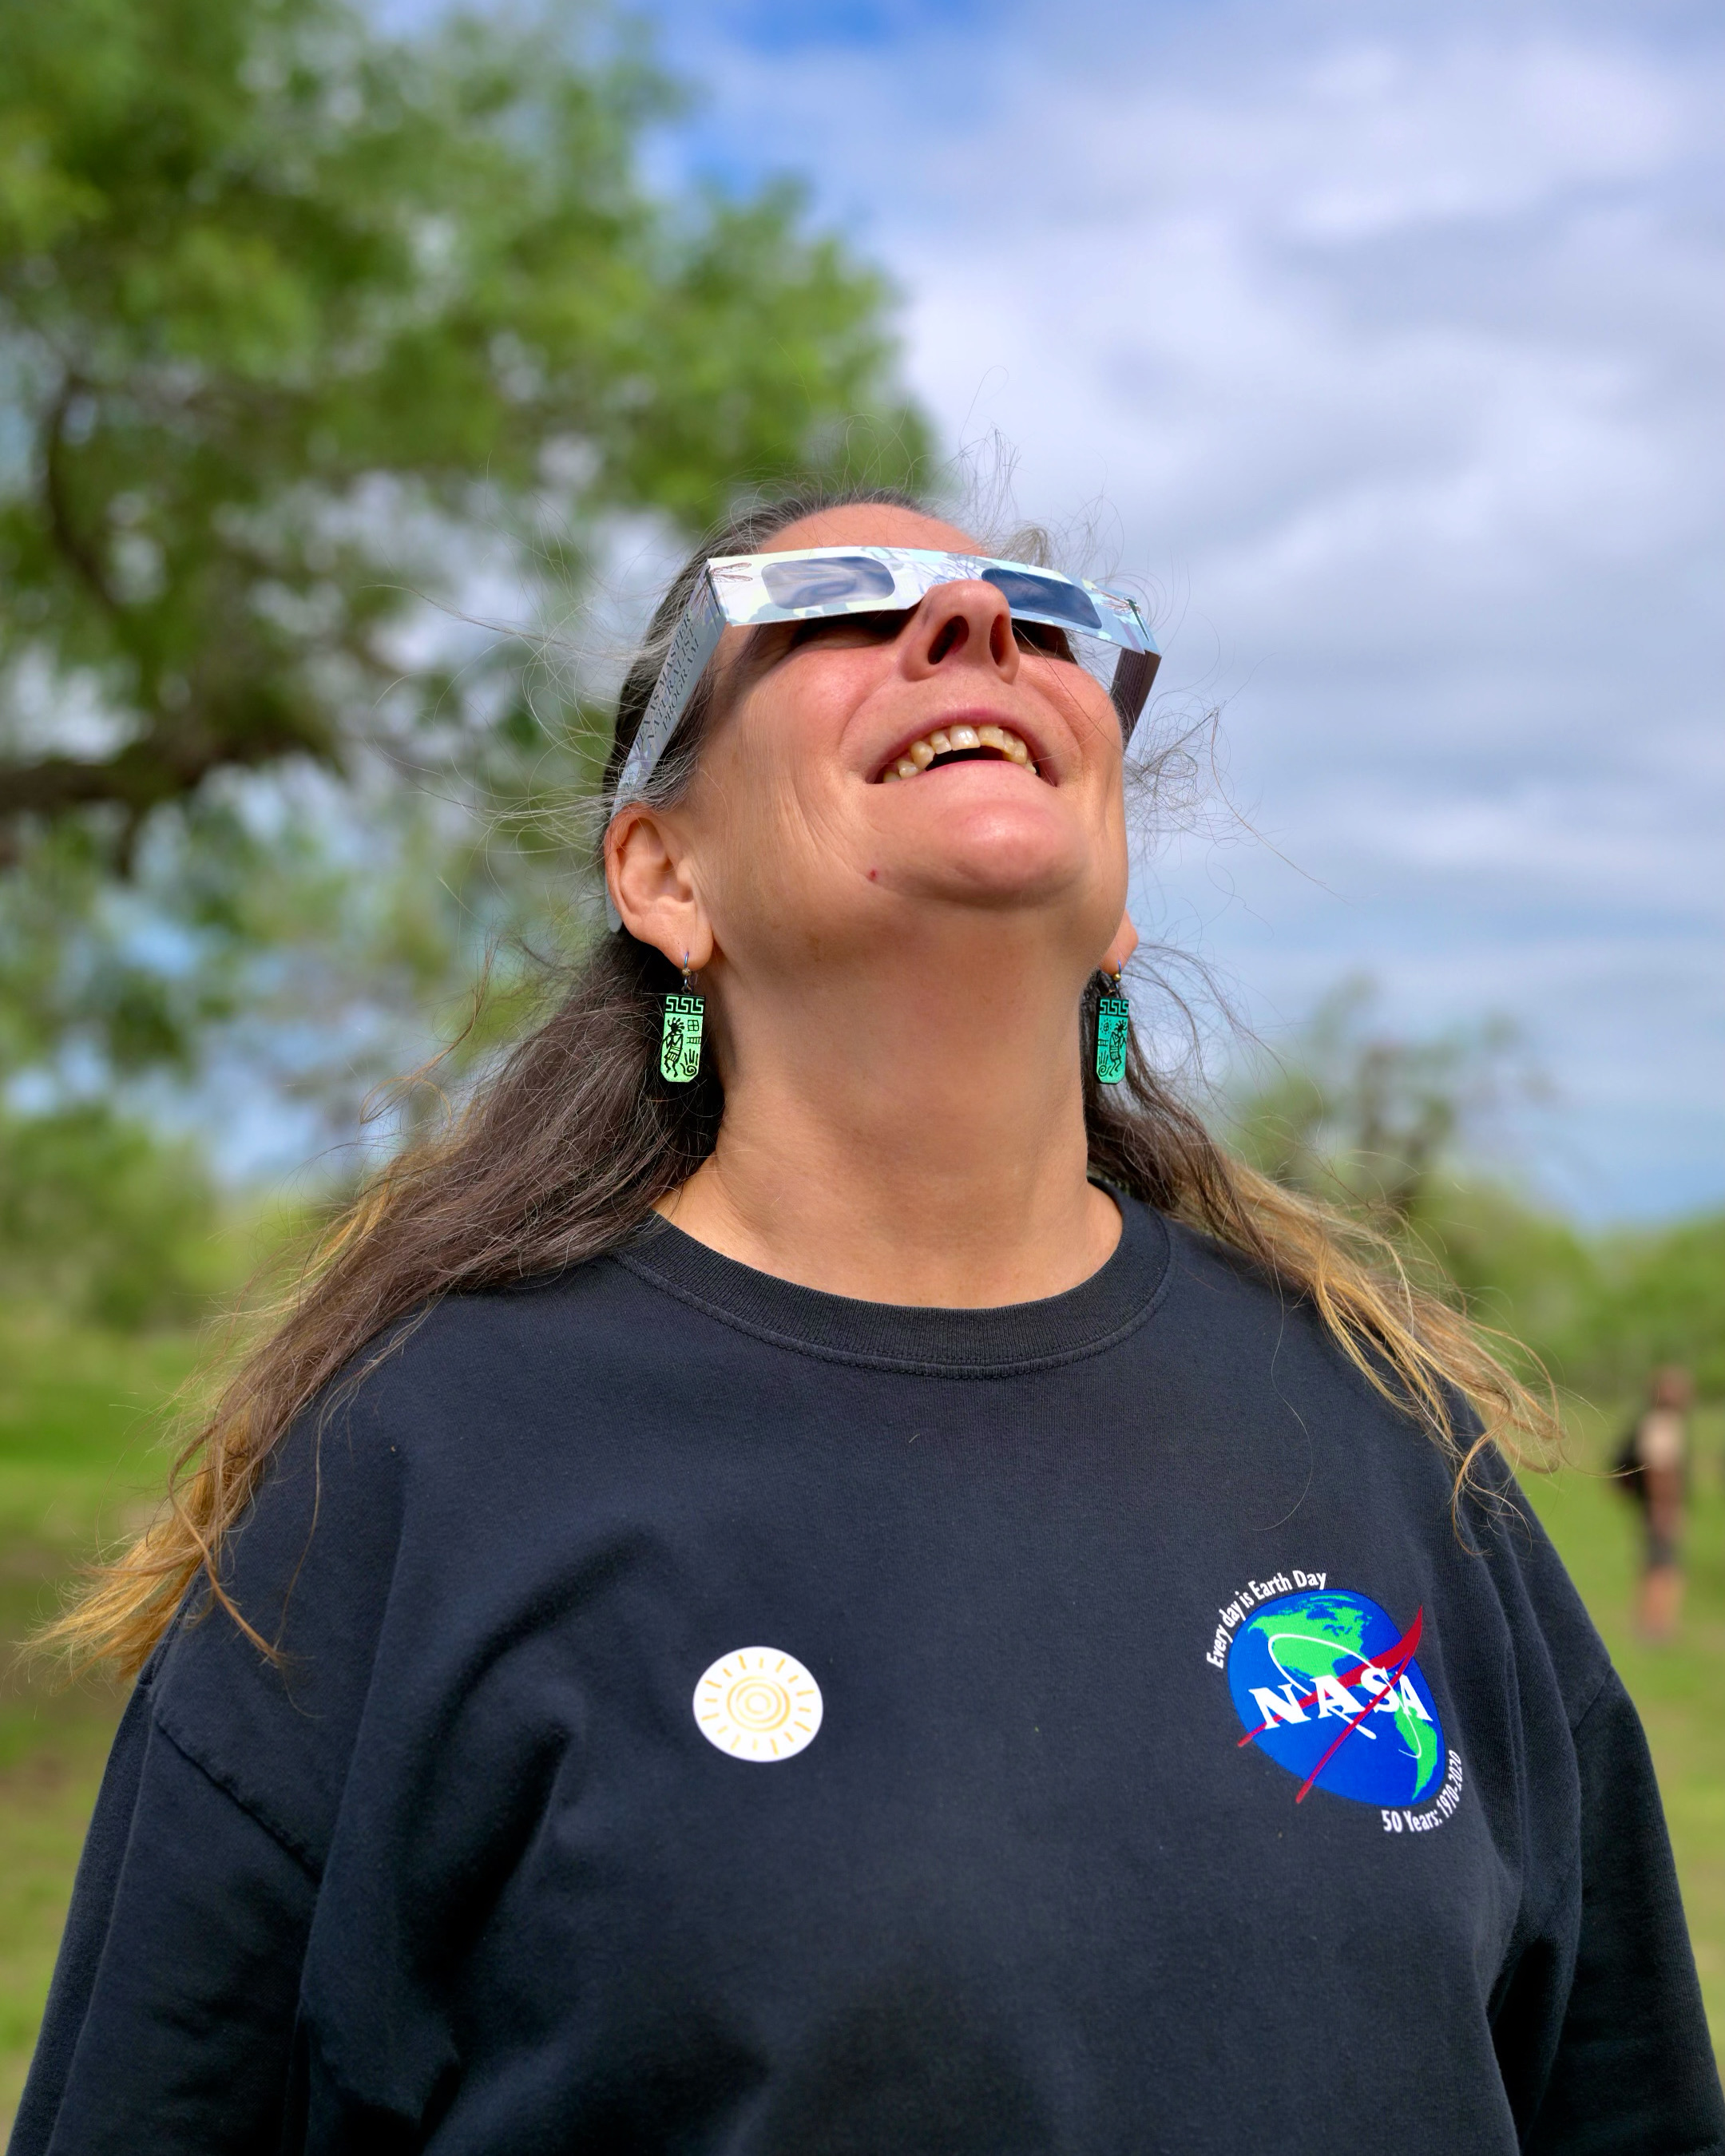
(800, 840)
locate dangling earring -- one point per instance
(679, 1044)
(1113, 1030)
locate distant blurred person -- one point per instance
(1654, 1466)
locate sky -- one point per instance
(1380, 347)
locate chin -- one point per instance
(1016, 853)
(1006, 875)
(1019, 851)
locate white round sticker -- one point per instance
(756, 1703)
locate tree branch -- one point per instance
(142, 777)
(57, 498)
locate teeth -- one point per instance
(944, 740)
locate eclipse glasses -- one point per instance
(818, 584)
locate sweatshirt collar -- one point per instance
(1085, 1320)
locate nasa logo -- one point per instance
(1326, 1683)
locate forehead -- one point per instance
(861, 524)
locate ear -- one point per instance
(1126, 941)
(650, 880)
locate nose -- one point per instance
(962, 625)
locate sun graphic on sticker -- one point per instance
(756, 1703)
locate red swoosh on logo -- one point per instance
(1391, 1665)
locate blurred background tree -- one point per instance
(1369, 1117)
(104, 1221)
(307, 332)
(1414, 1134)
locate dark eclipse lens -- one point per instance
(822, 583)
(1027, 594)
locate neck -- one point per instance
(909, 1133)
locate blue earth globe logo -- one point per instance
(1326, 1683)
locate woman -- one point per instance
(881, 1595)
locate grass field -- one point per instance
(78, 1428)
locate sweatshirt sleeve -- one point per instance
(1634, 2072)
(170, 2022)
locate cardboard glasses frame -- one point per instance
(747, 591)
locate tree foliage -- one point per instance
(101, 1217)
(299, 324)
(1393, 1128)
(1369, 1117)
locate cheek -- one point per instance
(790, 723)
(765, 846)
(779, 765)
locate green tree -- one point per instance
(1661, 1299)
(1389, 1126)
(299, 325)
(1366, 1117)
(101, 1217)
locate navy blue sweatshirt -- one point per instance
(715, 1715)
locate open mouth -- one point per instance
(957, 744)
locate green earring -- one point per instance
(679, 1044)
(1113, 1029)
